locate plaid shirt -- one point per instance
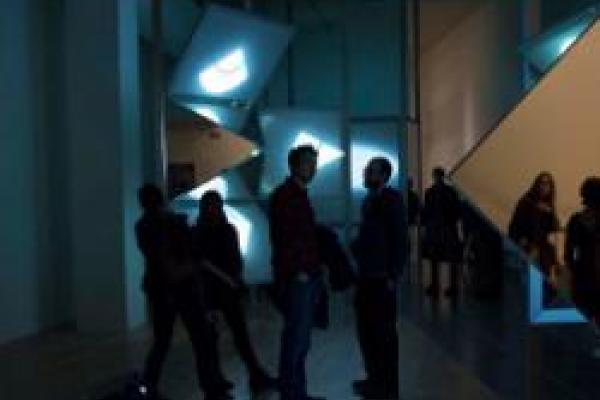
(293, 232)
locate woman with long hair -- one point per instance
(535, 219)
(217, 253)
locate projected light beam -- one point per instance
(208, 113)
(226, 74)
(361, 155)
(327, 153)
(217, 184)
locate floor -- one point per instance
(448, 350)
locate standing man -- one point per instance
(297, 268)
(172, 290)
(380, 250)
(441, 218)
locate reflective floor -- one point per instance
(463, 350)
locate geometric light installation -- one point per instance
(327, 154)
(208, 113)
(217, 184)
(361, 155)
(554, 128)
(545, 50)
(229, 58)
(207, 151)
(226, 74)
(242, 225)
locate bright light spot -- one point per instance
(327, 154)
(567, 43)
(218, 184)
(242, 225)
(361, 155)
(208, 113)
(226, 74)
(255, 153)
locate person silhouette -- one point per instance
(173, 290)
(217, 254)
(380, 249)
(298, 275)
(441, 217)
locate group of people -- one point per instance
(192, 270)
(535, 220)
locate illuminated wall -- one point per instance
(555, 128)
(470, 74)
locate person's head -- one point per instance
(590, 192)
(439, 174)
(211, 207)
(543, 189)
(377, 173)
(151, 198)
(302, 162)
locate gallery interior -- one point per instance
(100, 97)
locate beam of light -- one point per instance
(208, 113)
(226, 74)
(538, 315)
(242, 225)
(327, 153)
(361, 155)
(218, 184)
(566, 43)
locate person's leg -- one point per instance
(162, 316)
(364, 321)
(298, 310)
(233, 313)
(452, 289)
(203, 338)
(389, 342)
(434, 287)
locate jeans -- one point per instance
(298, 306)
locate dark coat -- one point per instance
(533, 225)
(293, 232)
(441, 216)
(582, 256)
(381, 247)
(164, 240)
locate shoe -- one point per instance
(432, 291)
(262, 382)
(452, 291)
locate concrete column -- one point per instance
(105, 149)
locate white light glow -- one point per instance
(208, 113)
(255, 153)
(218, 184)
(361, 155)
(242, 225)
(327, 154)
(226, 74)
(567, 43)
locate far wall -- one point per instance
(470, 74)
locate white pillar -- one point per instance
(105, 148)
